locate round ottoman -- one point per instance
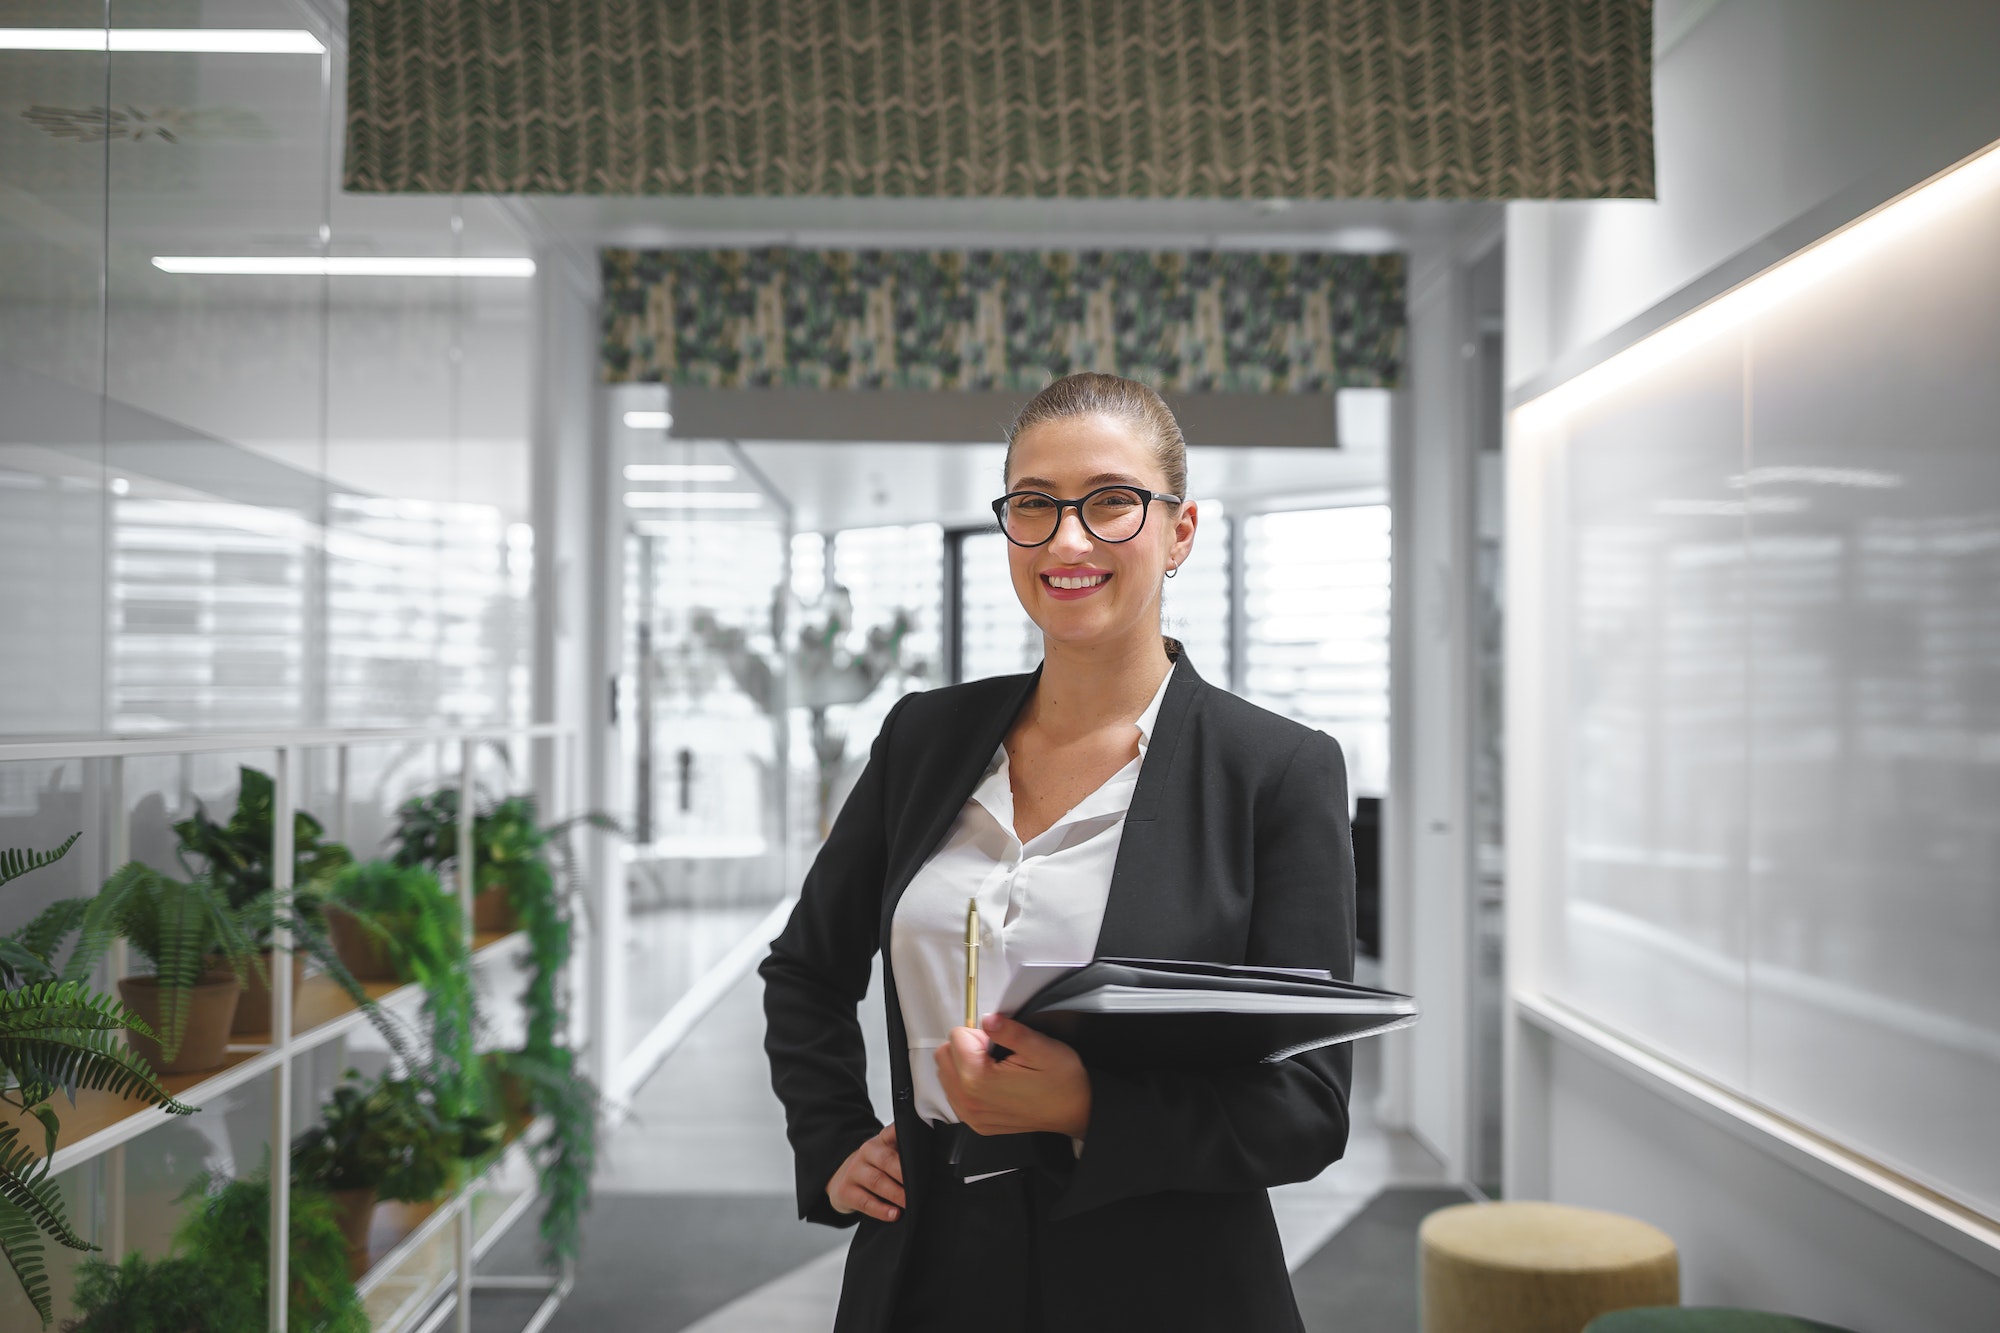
(1538, 1267)
(1705, 1319)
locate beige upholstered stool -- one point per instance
(1538, 1267)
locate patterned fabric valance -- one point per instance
(925, 319)
(1233, 99)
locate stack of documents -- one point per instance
(1149, 1012)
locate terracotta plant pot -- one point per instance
(493, 914)
(253, 1011)
(364, 954)
(355, 1211)
(517, 1103)
(204, 1040)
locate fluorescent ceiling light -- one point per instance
(679, 472)
(203, 41)
(692, 499)
(653, 527)
(649, 420)
(355, 266)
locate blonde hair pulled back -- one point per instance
(1092, 393)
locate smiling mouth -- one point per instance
(1074, 582)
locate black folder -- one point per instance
(1150, 1013)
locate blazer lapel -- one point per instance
(946, 791)
(1152, 900)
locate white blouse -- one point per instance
(1039, 902)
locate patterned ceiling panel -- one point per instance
(1193, 322)
(1080, 99)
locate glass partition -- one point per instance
(1315, 589)
(53, 145)
(702, 703)
(996, 638)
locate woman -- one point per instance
(1109, 804)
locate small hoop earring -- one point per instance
(1173, 571)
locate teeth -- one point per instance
(1059, 581)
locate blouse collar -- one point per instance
(996, 792)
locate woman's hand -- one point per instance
(1041, 1086)
(871, 1179)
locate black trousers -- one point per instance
(974, 1263)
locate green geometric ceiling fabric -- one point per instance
(1078, 99)
(1192, 322)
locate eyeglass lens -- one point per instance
(1114, 514)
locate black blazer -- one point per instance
(1236, 850)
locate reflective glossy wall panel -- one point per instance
(1874, 491)
(232, 500)
(1776, 643)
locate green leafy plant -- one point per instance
(182, 928)
(536, 867)
(237, 858)
(566, 1156)
(390, 1136)
(171, 1295)
(511, 853)
(237, 854)
(25, 955)
(423, 931)
(55, 1037)
(217, 1280)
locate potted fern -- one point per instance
(61, 1037)
(198, 952)
(237, 857)
(391, 922)
(387, 1140)
(397, 920)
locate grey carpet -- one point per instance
(1364, 1279)
(657, 1263)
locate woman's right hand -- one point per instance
(871, 1179)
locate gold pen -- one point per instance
(972, 962)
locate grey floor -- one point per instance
(695, 1227)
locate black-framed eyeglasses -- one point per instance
(1109, 513)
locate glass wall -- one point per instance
(1316, 628)
(241, 498)
(893, 578)
(235, 493)
(995, 636)
(701, 703)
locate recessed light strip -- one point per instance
(649, 420)
(349, 266)
(683, 472)
(1894, 223)
(692, 500)
(199, 41)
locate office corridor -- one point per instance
(695, 1228)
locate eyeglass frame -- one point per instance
(1145, 509)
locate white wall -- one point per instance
(1427, 862)
(1777, 120)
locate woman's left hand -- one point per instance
(1042, 1085)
